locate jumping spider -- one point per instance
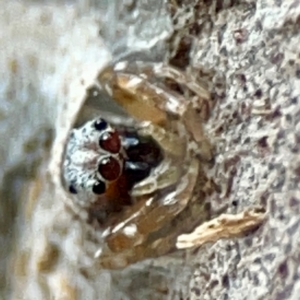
(136, 179)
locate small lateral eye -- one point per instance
(99, 187)
(72, 189)
(100, 124)
(109, 168)
(110, 141)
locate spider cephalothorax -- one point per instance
(103, 163)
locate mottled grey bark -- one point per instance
(248, 51)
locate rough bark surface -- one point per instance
(249, 53)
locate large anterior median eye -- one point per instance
(109, 168)
(110, 141)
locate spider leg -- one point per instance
(147, 101)
(131, 238)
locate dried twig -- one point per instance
(224, 226)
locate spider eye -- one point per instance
(99, 187)
(72, 189)
(100, 124)
(110, 141)
(109, 168)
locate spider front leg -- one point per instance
(147, 100)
